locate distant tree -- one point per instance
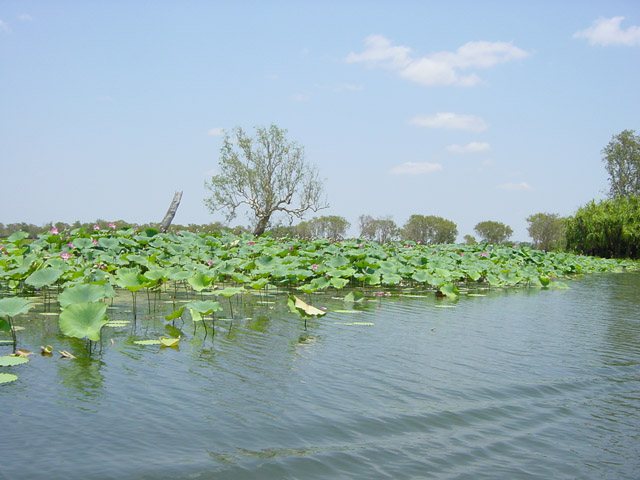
(610, 228)
(470, 240)
(429, 229)
(329, 226)
(622, 161)
(268, 173)
(546, 230)
(381, 230)
(493, 232)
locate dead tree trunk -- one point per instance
(168, 218)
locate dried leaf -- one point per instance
(66, 354)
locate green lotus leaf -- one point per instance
(147, 342)
(230, 291)
(175, 314)
(338, 282)
(17, 237)
(7, 377)
(354, 296)
(44, 277)
(109, 243)
(82, 294)
(337, 262)
(258, 284)
(82, 243)
(450, 290)
(8, 361)
(130, 278)
(12, 306)
(200, 281)
(82, 320)
(205, 307)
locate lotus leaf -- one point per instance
(7, 377)
(303, 309)
(12, 306)
(82, 320)
(82, 294)
(43, 278)
(9, 360)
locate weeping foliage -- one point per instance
(610, 228)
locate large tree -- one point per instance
(622, 161)
(381, 230)
(430, 229)
(546, 230)
(493, 232)
(267, 173)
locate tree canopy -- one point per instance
(546, 230)
(268, 174)
(430, 229)
(493, 232)
(622, 161)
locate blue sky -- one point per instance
(468, 110)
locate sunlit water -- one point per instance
(517, 384)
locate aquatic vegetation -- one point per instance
(85, 268)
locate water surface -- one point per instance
(517, 384)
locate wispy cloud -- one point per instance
(299, 97)
(439, 68)
(216, 132)
(607, 31)
(25, 17)
(415, 168)
(272, 76)
(450, 121)
(472, 147)
(515, 186)
(4, 27)
(346, 87)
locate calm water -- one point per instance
(523, 384)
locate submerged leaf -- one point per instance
(147, 342)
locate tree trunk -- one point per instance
(261, 226)
(168, 218)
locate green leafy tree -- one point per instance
(329, 226)
(429, 229)
(610, 228)
(622, 161)
(470, 240)
(381, 230)
(268, 174)
(493, 232)
(546, 230)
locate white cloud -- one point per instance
(607, 31)
(216, 132)
(299, 97)
(25, 17)
(451, 121)
(272, 76)
(440, 68)
(469, 147)
(415, 168)
(515, 186)
(4, 27)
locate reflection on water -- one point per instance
(496, 384)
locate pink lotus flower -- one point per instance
(70, 244)
(94, 241)
(314, 267)
(112, 225)
(252, 243)
(53, 231)
(361, 245)
(96, 227)
(65, 255)
(483, 254)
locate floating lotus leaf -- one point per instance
(12, 306)
(7, 377)
(147, 342)
(81, 294)
(303, 309)
(8, 360)
(44, 277)
(169, 341)
(82, 320)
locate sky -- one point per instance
(467, 110)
